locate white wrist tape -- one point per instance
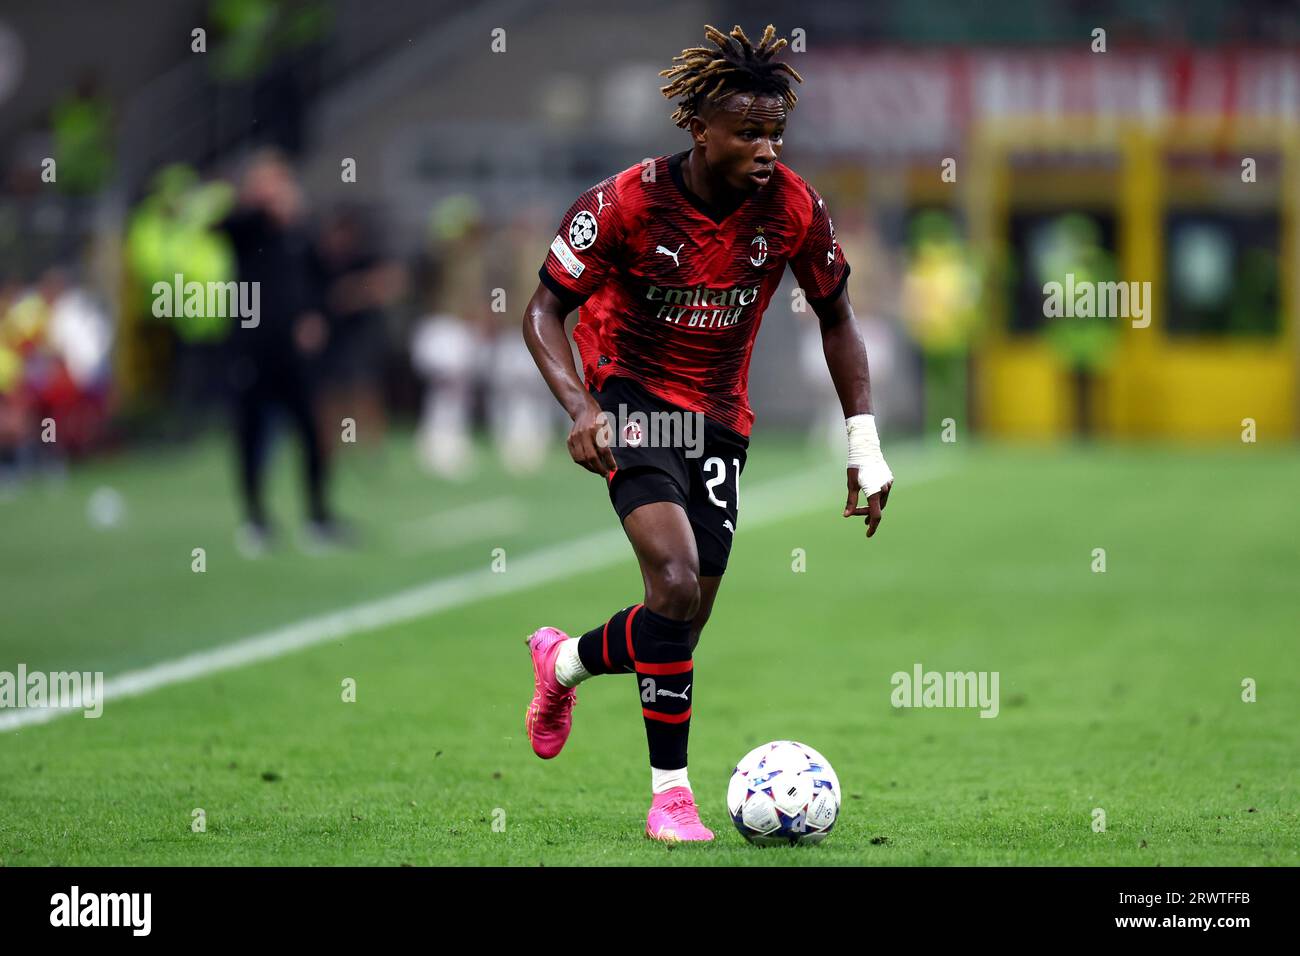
(865, 455)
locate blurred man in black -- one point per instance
(360, 283)
(272, 359)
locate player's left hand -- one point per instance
(875, 502)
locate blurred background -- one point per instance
(433, 169)
(393, 176)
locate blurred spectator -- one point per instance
(448, 345)
(55, 342)
(467, 348)
(268, 45)
(80, 337)
(360, 284)
(271, 361)
(1072, 244)
(942, 308)
(15, 414)
(521, 411)
(445, 354)
(82, 126)
(173, 232)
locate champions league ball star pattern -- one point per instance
(582, 231)
(783, 793)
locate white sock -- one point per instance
(661, 781)
(568, 665)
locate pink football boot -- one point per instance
(550, 713)
(674, 818)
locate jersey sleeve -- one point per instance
(819, 265)
(587, 246)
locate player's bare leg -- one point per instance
(708, 592)
(664, 543)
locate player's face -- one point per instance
(743, 140)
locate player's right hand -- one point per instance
(589, 441)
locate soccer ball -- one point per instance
(783, 793)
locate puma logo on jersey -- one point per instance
(668, 252)
(727, 524)
(600, 199)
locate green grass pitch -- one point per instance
(1119, 690)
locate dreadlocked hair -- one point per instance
(703, 75)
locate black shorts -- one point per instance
(663, 456)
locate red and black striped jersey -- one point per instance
(671, 294)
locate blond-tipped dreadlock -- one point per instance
(735, 66)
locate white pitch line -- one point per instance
(767, 504)
(455, 527)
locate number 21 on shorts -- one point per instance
(720, 466)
